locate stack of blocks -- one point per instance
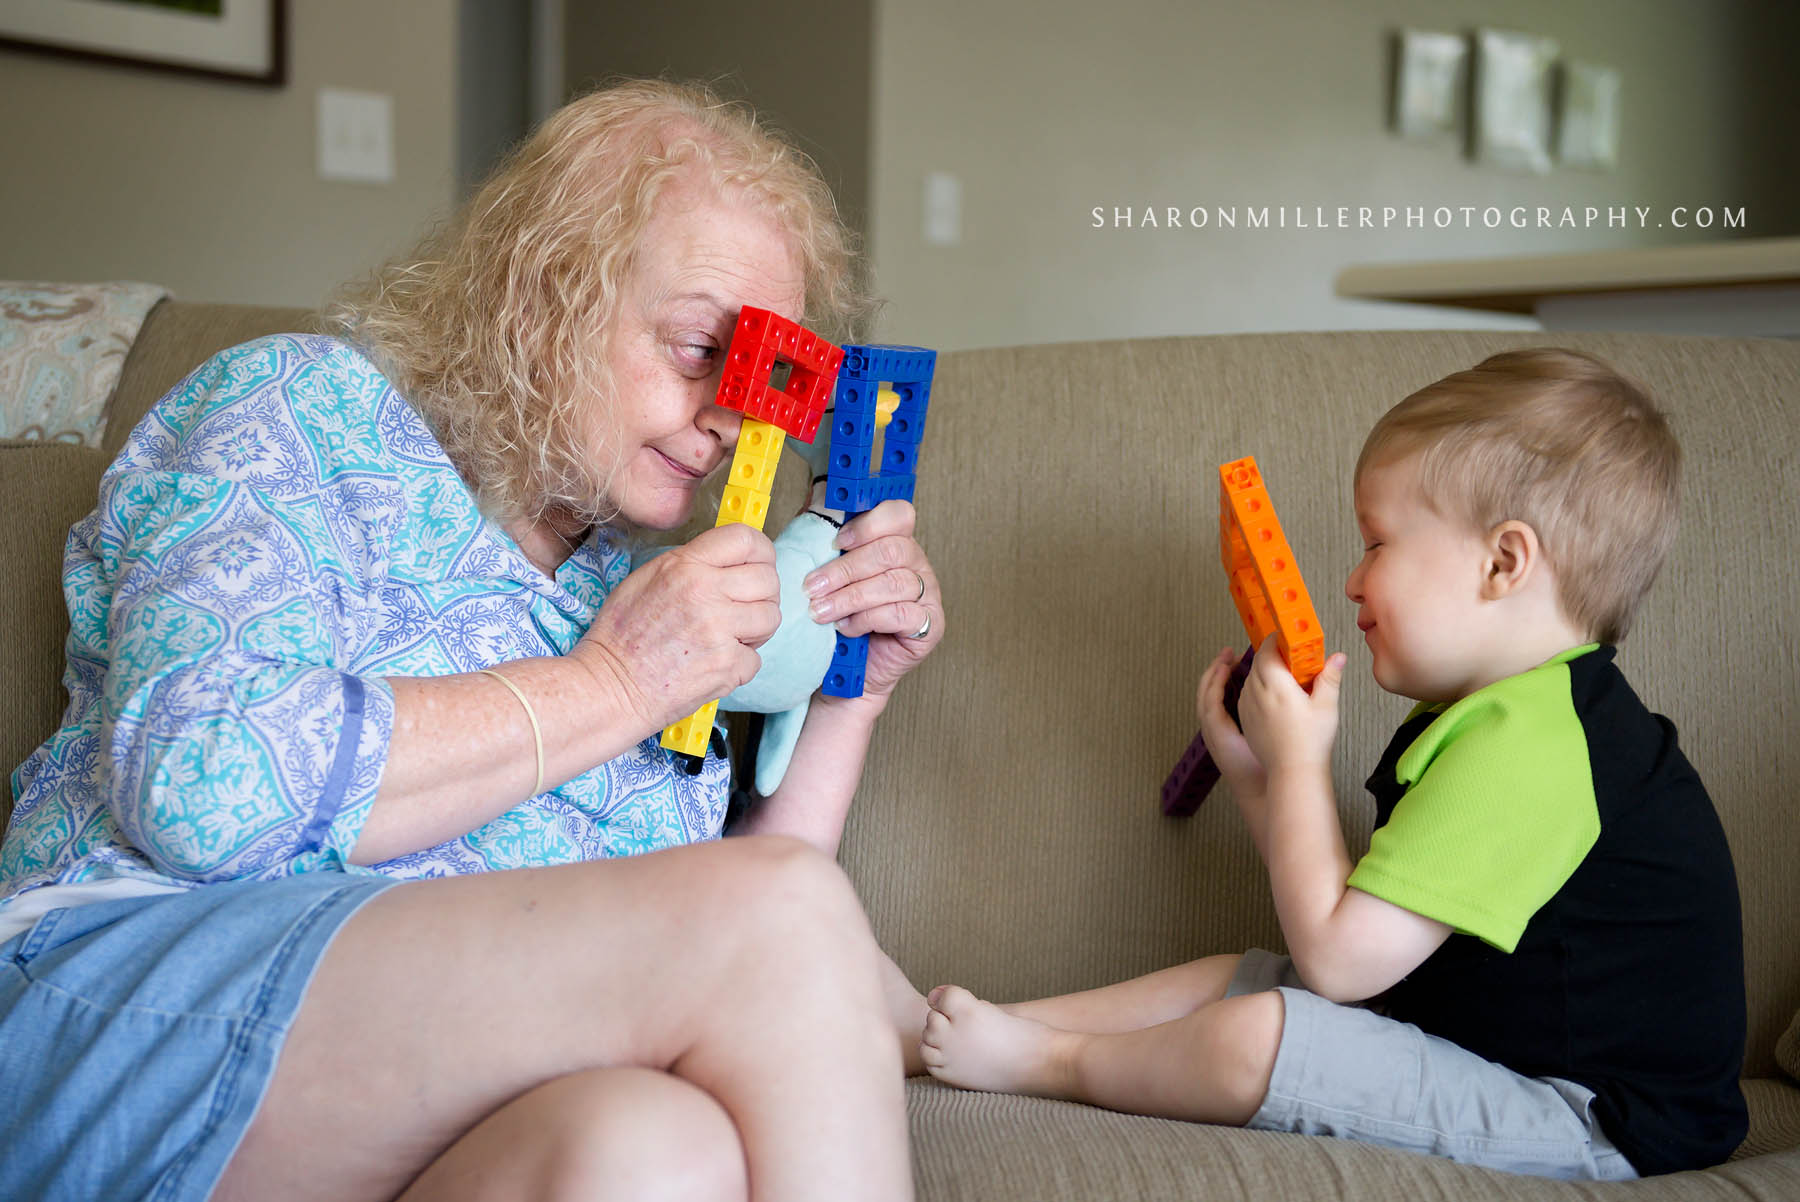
(855, 483)
(1271, 598)
(762, 339)
(1266, 586)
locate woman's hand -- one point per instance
(1284, 725)
(882, 586)
(683, 629)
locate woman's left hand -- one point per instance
(882, 586)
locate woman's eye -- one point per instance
(700, 353)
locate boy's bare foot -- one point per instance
(977, 1045)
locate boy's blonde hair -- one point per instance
(1560, 441)
(497, 327)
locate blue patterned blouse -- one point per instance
(280, 533)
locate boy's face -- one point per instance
(1417, 589)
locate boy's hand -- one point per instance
(1224, 741)
(1285, 726)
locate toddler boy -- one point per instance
(1538, 965)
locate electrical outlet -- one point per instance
(356, 136)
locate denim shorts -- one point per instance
(137, 1036)
(1350, 1072)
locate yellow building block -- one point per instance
(746, 505)
(689, 736)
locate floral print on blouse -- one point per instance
(281, 533)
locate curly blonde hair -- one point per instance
(1561, 441)
(497, 327)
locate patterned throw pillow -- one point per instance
(61, 349)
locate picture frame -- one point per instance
(242, 41)
(1429, 83)
(1510, 125)
(1587, 131)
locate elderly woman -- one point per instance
(353, 626)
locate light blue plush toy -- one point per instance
(794, 660)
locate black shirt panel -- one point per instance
(1630, 980)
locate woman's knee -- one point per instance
(777, 887)
(628, 1133)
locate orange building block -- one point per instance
(1265, 583)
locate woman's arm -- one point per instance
(882, 586)
(463, 752)
(814, 797)
(677, 631)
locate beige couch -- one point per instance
(1008, 834)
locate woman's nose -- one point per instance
(722, 423)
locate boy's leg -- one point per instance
(1145, 1001)
(1211, 1065)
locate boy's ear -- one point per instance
(1514, 557)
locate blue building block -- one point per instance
(855, 483)
(849, 659)
(893, 364)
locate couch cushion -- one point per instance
(1787, 1049)
(980, 1147)
(1774, 1104)
(44, 489)
(176, 338)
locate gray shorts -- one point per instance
(1350, 1072)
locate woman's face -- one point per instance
(701, 260)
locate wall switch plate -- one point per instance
(356, 136)
(943, 209)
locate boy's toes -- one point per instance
(953, 1001)
(931, 998)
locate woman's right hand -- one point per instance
(683, 629)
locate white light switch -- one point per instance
(356, 136)
(943, 209)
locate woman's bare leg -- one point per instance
(743, 968)
(606, 1133)
(908, 1009)
(1212, 1065)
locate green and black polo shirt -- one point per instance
(1552, 820)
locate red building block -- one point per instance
(761, 340)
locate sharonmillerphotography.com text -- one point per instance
(1413, 217)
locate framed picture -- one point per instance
(241, 40)
(1587, 135)
(1430, 73)
(1511, 126)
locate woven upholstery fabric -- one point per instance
(1787, 1049)
(1774, 1117)
(176, 338)
(980, 1147)
(44, 489)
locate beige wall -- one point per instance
(210, 189)
(1048, 109)
(803, 64)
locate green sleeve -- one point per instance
(1498, 813)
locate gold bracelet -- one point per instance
(537, 732)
